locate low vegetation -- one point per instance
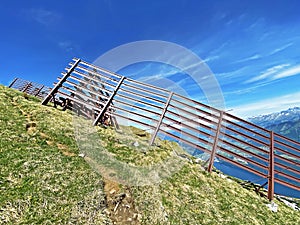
(51, 174)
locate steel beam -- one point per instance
(271, 168)
(215, 145)
(105, 107)
(59, 84)
(12, 83)
(161, 118)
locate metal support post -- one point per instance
(105, 107)
(215, 144)
(12, 83)
(26, 87)
(37, 93)
(161, 119)
(271, 168)
(59, 84)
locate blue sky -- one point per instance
(252, 47)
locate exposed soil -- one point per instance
(120, 204)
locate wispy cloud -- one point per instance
(66, 46)
(287, 73)
(211, 58)
(43, 16)
(281, 48)
(249, 89)
(267, 73)
(233, 74)
(253, 57)
(268, 105)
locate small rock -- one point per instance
(135, 144)
(112, 191)
(81, 155)
(222, 175)
(273, 206)
(198, 161)
(107, 212)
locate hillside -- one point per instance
(46, 179)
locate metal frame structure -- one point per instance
(98, 93)
(30, 88)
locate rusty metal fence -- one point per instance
(30, 88)
(97, 93)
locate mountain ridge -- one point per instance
(286, 122)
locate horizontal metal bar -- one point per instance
(79, 101)
(290, 185)
(93, 79)
(131, 112)
(147, 85)
(186, 119)
(139, 101)
(189, 135)
(286, 152)
(92, 74)
(242, 166)
(198, 103)
(286, 145)
(244, 150)
(288, 168)
(244, 142)
(142, 89)
(136, 107)
(141, 95)
(287, 139)
(189, 127)
(101, 69)
(248, 123)
(281, 173)
(207, 114)
(83, 96)
(185, 141)
(195, 116)
(131, 119)
(286, 159)
(245, 128)
(76, 95)
(92, 89)
(243, 157)
(86, 89)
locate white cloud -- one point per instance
(267, 106)
(267, 73)
(228, 77)
(287, 73)
(211, 58)
(281, 48)
(66, 45)
(42, 16)
(253, 57)
(245, 90)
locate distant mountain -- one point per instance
(286, 122)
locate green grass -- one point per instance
(44, 181)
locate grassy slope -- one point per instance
(43, 181)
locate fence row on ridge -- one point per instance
(97, 93)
